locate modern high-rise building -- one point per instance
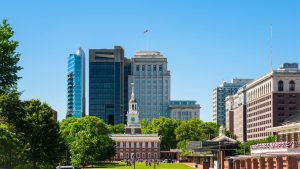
(76, 84)
(152, 84)
(184, 109)
(219, 95)
(108, 84)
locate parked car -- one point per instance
(65, 167)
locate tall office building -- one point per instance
(264, 103)
(76, 84)
(219, 95)
(152, 84)
(108, 84)
(271, 100)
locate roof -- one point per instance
(135, 137)
(223, 138)
(295, 118)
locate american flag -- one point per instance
(145, 31)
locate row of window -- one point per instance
(260, 123)
(258, 92)
(259, 135)
(259, 106)
(137, 156)
(259, 129)
(291, 85)
(259, 112)
(259, 101)
(137, 144)
(149, 68)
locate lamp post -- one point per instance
(134, 154)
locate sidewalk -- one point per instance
(190, 164)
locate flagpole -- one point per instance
(146, 39)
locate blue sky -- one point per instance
(205, 41)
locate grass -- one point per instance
(140, 165)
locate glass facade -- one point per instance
(107, 75)
(75, 80)
(219, 95)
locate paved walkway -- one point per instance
(190, 164)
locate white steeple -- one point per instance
(132, 115)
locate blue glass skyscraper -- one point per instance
(76, 84)
(108, 83)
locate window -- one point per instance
(160, 68)
(149, 144)
(127, 144)
(143, 144)
(280, 85)
(149, 155)
(155, 145)
(292, 85)
(137, 145)
(143, 155)
(155, 156)
(121, 155)
(121, 144)
(132, 144)
(137, 67)
(143, 67)
(154, 68)
(149, 67)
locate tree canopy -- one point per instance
(9, 59)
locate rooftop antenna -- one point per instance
(271, 47)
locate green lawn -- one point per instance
(143, 166)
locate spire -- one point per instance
(221, 130)
(132, 92)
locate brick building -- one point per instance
(264, 103)
(133, 145)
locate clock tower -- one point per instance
(133, 125)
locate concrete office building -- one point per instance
(236, 114)
(184, 109)
(219, 95)
(76, 84)
(152, 84)
(108, 84)
(271, 99)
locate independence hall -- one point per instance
(133, 145)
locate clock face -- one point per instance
(132, 119)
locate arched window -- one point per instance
(121, 155)
(280, 85)
(292, 85)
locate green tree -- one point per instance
(38, 133)
(244, 148)
(8, 146)
(165, 127)
(8, 59)
(116, 129)
(91, 133)
(43, 143)
(194, 130)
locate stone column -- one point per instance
(262, 163)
